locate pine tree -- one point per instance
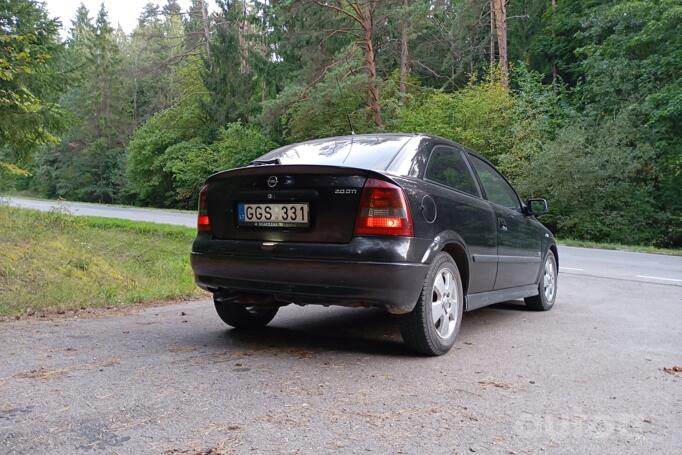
(106, 99)
(89, 163)
(231, 88)
(197, 28)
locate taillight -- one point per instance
(203, 221)
(383, 210)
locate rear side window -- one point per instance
(447, 166)
(365, 152)
(496, 188)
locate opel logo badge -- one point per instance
(272, 181)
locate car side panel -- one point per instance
(470, 217)
(519, 244)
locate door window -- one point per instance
(448, 167)
(496, 188)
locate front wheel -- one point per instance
(546, 288)
(432, 326)
(241, 316)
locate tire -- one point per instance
(242, 316)
(419, 330)
(547, 287)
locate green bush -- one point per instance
(600, 184)
(149, 182)
(479, 116)
(190, 162)
(508, 127)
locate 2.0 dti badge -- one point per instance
(414, 224)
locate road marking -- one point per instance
(571, 268)
(659, 278)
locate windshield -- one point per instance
(366, 152)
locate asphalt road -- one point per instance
(587, 377)
(179, 217)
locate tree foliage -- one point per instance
(190, 162)
(629, 106)
(149, 181)
(29, 82)
(589, 118)
(89, 162)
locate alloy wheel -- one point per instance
(549, 280)
(445, 303)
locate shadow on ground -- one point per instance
(367, 331)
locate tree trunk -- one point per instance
(404, 50)
(207, 33)
(554, 70)
(135, 90)
(492, 35)
(244, 67)
(374, 99)
(363, 14)
(500, 9)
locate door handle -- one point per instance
(503, 225)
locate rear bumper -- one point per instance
(393, 286)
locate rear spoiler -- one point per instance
(271, 169)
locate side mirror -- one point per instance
(537, 206)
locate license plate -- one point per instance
(273, 215)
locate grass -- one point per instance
(52, 262)
(618, 246)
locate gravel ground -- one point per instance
(586, 377)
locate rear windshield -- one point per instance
(375, 152)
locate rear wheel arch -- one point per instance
(461, 258)
(451, 243)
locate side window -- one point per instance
(496, 187)
(447, 166)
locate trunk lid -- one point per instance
(331, 193)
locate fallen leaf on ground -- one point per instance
(673, 370)
(222, 428)
(498, 385)
(211, 451)
(47, 373)
(42, 373)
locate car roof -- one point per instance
(383, 152)
(349, 137)
(405, 136)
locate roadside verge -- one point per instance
(53, 262)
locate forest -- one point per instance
(577, 101)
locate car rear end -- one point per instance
(310, 234)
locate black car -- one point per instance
(414, 224)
